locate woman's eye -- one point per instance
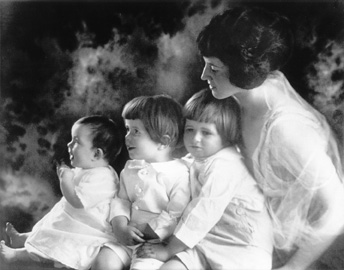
(188, 130)
(213, 69)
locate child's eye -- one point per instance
(188, 130)
(206, 133)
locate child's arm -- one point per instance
(203, 212)
(179, 197)
(162, 252)
(147, 231)
(125, 233)
(66, 176)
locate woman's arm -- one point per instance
(300, 157)
(325, 231)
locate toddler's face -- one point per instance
(138, 142)
(202, 139)
(80, 148)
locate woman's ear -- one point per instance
(99, 153)
(165, 141)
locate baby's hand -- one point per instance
(130, 236)
(155, 251)
(63, 171)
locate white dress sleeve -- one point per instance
(96, 186)
(204, 211)
(298, 170)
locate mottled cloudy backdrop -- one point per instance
(61, 60)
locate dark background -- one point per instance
(61, 60)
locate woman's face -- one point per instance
(216, 73)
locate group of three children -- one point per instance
(202, 211)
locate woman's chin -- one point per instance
(218, 95)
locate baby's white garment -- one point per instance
(226, 220)
(73, 236)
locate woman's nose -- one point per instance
(205, 74)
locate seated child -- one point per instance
(154, 186)
(72, 233)
(226, 225)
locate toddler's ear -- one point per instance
(165, 141)
(99, 153)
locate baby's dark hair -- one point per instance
(107, 135)
(251, 42)
(161, 115)
(224, 113)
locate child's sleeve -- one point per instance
(96, 186)
(204, 211)
(165, 224)
(121, 204)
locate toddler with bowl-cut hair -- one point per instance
(154, 186)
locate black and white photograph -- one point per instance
(172, 134)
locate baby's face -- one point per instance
(80, 148)
(202, 139)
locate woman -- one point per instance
(287, 144)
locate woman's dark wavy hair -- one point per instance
(251, 42)
(107, 135)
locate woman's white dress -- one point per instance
(296, 156)
(72, 236)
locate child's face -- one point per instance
(80, 148)
(139, 143)
(202, 139)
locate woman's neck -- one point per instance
(252, 102)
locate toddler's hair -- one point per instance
(107, 135)
(160, 114)
(224, 113)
